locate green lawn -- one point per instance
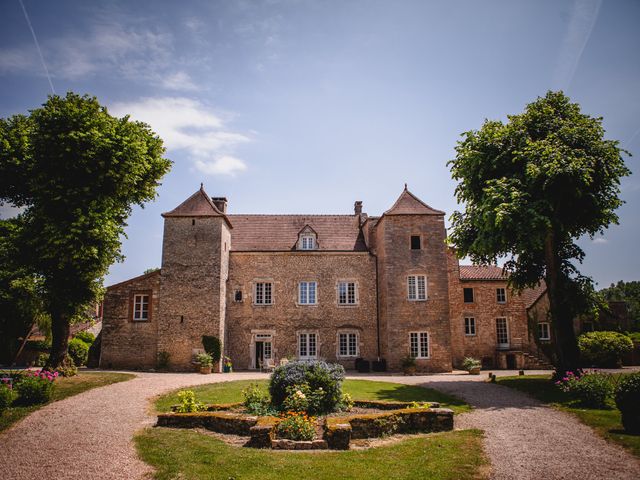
(189, 455)
(65, 387)
(606, 422)
(227, 392)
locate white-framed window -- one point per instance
(307, 346)
(417, 287)
(348, 344)
(263, 293)
(347, 293)
(469, 326)
(307, 293)
(308, 242)
(141, 307)
(501, 295)
(544, 332)
(419, 344)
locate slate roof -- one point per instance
(280, 232)
(409, 204)
(477, 272)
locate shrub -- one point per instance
(42, 360)
(604, 349)
(6, 397)
(628, 401)
(408, 362)
(204, 359)
(163, 359)
(86, 337)
(296, 426)
(36, 388)
(591, 389)
(470, 363)
(257, 401)
(297, 398)
(79, 351)
(212, 346)
(188, 402)
(346, 403)
(319, 376)
(68, 367)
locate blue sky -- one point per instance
(298, 106)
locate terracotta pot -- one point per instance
(474, 371)
(409, 370)
(205, 369)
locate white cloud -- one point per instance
(224, 165)
(188, 125)
(130, 52)
(600, 240)
(584, 14)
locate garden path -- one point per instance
(525, 439)
(90, 435)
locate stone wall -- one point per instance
(485, 309)
(285, 318)
(400, 316)
(194, 268)
(127, 343)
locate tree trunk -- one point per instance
(59, 339)
(564, 342)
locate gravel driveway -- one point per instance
(89, 436)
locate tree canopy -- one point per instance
(628, 292)
(77, 171)
(531, 188)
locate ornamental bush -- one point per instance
(296, 426)
(36, 388)
(257, 401)
(628, 401)
(6, 397)
(213, 346)
(604, 349)
(78, 351)
(86, 337)
(68, 368)
(323, 379)
(188, 403)
(591, 389)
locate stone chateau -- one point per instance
(332, 287)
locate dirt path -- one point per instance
(528, 440)
(90, 435)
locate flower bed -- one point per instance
(338, 431)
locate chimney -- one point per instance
(220, 203)
(357, 207)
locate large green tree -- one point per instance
(77, 171)
(21, 293)
(531, 188)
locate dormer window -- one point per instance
(308, 242)
(307, 239)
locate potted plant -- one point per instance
(472, 365)
(227, 366)
(205, 361)
(409, 365)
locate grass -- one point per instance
(65, 387)
(189, 455)
(227, 392)
(606, 422)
